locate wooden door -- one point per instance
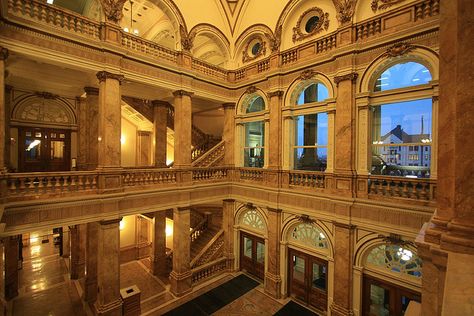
(252, 254)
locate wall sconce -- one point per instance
(122, 224)
(122, 139)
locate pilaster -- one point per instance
(78, 250)
(272, 276)
(180, 277)
(229, 133)
(3, 118)
(90, 291)
(228, 210)
(158, 256)
(92, 122)
(182, 128)
(275, 130)
(160, 121)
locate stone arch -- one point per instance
(260, 31)
(294, 224)
(400, 52)
(214, 34)
(248, 96)
(252, 218)
(44, 110)
(299, 84)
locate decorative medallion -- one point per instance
(113, 9)
(310, 23)
(255, 48)
(399, 49)
(307, 74)
(383, 4)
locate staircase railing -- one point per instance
(210, 157)
(208, 270)
(199, 229)
(209, 250)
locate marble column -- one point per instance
(3, 112)
(91, 105)
(344, 149)
(109, 119)
(78, 250)
(180, 277)
(275, 137)
(343, 254)
(228, 210)
(272, 276)
(108, 301)
(142, 237)
(228, 134)
(90, 291)
(83, 138)
(158, 256)
(160, 122)
(11, 266)
(66, 242)
(182, 128)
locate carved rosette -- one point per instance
(3, 53)
(383, 4)
(181, 93)
(275, 94)
(323, 23)
(399, 49)
(103, 75)
(113, 9)
(352, 77)
(246, 56)
(307, 74)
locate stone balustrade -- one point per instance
(208, 270)
(307, 179)
(151, 176)
(400, 187)
(203, 174)
(31, 12)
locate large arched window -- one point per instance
(402, 122)
(395, 258)
(310, 143)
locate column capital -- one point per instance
(183, 209)
(181, 93)
(350, 76)
(229, 106)
(344, 225)
(161, 103)
(3, 53)
(229, 200)
(91, 91)
(274, 210)
(103, 75)
(277, 93)
(110, 221)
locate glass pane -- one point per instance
(53, 135)
(403, 75)
(61, 135)
(253, 157)
(256, 105)
(32, 149)
(311, 130)
(319, 276)
(401, 138)
(254, 143)
(260, 253)
(37, 134)
(310, 159)
(404, 302)
(298, 269)
(57, 149)
(248, 247)
(315, 92)
(379, 301)
(28, 134)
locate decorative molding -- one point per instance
(307, 74)
(345, 10)
(181, 93)
(385, 4)
(228, 106)
(344, 225)
(187, 40)
(323, 22)
(305, 219)
(352, 77)
(47, 95)
(103, 75)
(397, 240)
(3, 53)
(91, 91)
(250, 90)
(110, 221)
(275, 39)
(435, 98)
(278, 93)
(261, 52)
(113, 9)
(398, 49)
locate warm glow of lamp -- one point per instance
(122, 224)
(122, 139)
(169, 229)
(49, 1)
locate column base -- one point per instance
(158, 266)
(181, 283)
(111, 309)
(77, 270)
(90, 291)
(337, 310)
(273, 285)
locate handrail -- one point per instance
(217, 147)
(198, 229)
(209, 269)
(206, 247)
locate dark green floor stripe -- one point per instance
(292, 309)
(215, 299)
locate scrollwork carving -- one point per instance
(307, 74)
(352, 77)
(345, 10)
(322, 23)
(250, 90)
(187, 40)
(181, 93)
(278, 94)
(399, 49)
(383, 4)
(103, 75)
(275, 39)
(113, 9)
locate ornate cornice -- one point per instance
(398, 49)
(307, 74)
(91, 91)
(345, 10)
(181, 93)
(385, 4)
(352, 77)
(3, 53)
(113, 9)
(250, 90)
(278, 93)
(323, 22)
(228, 106)
(103, 75)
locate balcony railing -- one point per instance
(399, 187)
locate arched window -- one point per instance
(256, 105)
(402, 75)
(253, 219)
(316, 92)
(309, 235)
(395, 258)
(402, 128)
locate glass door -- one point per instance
(308, 279)
(252, 254)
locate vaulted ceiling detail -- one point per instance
(232, 9)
